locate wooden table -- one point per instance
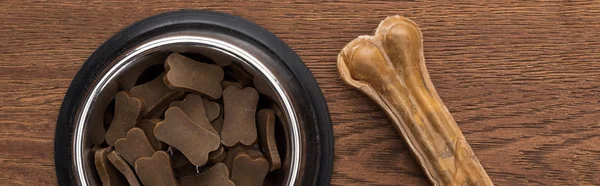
(522, 79)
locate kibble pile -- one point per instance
(189, 126)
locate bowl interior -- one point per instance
(145, 62)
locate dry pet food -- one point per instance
(216, 175)
(248, 171)
(134, 146)
(192, 123)
(156, 96)
(128, 111)
(148, 125)
(186, 74)
(156, 170)
(124, 168)
(179, 131)
(239, 125)
(109, 175)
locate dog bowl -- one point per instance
(307, 134)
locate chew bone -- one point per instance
(179, 131)
(233, 152)
(109, 175)
(239, 124)
(147, 126)
(248, 171)
(186, 74)
(216, 175)
(128, 111)
(218, 155)
(389, 67)
(124, 168)
(155, 170)
(134, 146)
(193, 107)
(217, 124)
(156, 96)
(266, 132)
(213, 109)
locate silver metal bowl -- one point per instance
(308, 157)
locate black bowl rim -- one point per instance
(139, 31)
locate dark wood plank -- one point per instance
(522, 79)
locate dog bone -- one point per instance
(148, 125)
(98, 133)
(128, 111)
(266, 132)
(248, 171)
(218, 155)
(124, 168)
(217, 124)
(179, 131)
(216, 175)
(155, 170)
(213, 109)
(186, 74)
(193, 107)
(389, 67)
(233, 152)
(239, 125)
(134, 146)
(156, 96)
(282, 122)
(109, 175)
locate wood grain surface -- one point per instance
(522, 79)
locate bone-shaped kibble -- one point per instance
(265, 118)
(282, 122)
(124, 168)
(134, 146)
(109, 174)
(217, 124)
(389, 67)
(147, 125)
(156, 96)
(216, 175)
(233, 152)
(248, 171)
(213, 110)
(128, 111)
(179, 131)
(186, 74)
(193, 107)
(155, 170)
(218, 155)
(239, 125)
